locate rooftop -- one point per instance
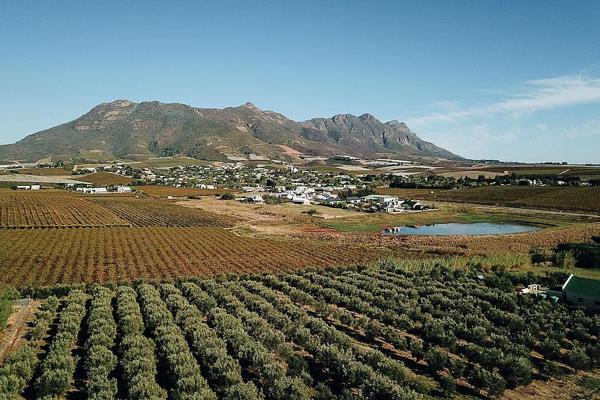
(584, 286)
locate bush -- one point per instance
(565, 259)
(227, 196)
(541, 255)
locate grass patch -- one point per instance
(589, 388)
(6, 303)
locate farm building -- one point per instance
(583, 292)
(92, 190)
(300, 200)
(28, 187)
(124, 189)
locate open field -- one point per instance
(558, 198)
(42, 257)
(292, 218)
(34, 209)
(23, 179)
(165, 191)
(44, 171)
(585, 172)
(384, 332)
(105, 179)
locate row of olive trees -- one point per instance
(349, 365)
(19, 368)
(182, 369)
(99, 358)
(422, 349)
(224, 372)
(259, 328)
(58, 367)
(267, 373)
(43, 319)
(136, 351)
(433, 332)
(489, 314)
(492, 319)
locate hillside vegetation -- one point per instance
(124, 129)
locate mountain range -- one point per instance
(127, 130)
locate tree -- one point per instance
(436, 359)
(578, 358)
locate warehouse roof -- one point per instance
(583, 286)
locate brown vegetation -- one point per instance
(165, 191)
(52, 209)
(125, 254)
(557, 198)
(150, 212)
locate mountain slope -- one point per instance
(124, 129)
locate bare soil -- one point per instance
(16, 327)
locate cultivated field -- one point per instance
(44, 171)
(165, 191)
(149, 212)
(43, 257)
(105, 179)
(558, 198)
(369, 334)
(52, 209)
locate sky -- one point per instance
(510, 80)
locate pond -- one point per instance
(451, 229)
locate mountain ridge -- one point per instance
(125, 129)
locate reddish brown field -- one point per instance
(45, 257)
(153, 212)
(52, 209)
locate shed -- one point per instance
(583, 292)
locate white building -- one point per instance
(301, 200)
(92, 190)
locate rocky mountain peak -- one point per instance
(125, 129)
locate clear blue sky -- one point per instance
(513, 80)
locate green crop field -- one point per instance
(383, 332)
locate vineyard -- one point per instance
(67, 209)
(165, 191)
(34, 257)
(149, 212)
(557, 198)
(354, 333)
(55, 209)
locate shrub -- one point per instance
(565, 259)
